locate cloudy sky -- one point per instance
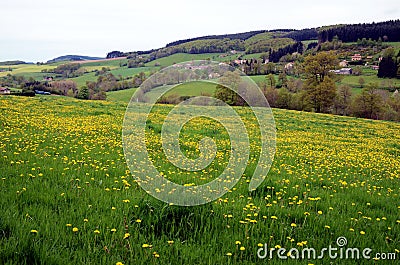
(39, 30)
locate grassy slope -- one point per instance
(63, 167)
(123, 96)
(183, 57)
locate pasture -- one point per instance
(67, 196)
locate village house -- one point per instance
(344, 63)
(289, 66)
(4, 90)
(343, 71)
(356, 57)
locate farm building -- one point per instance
(4, 90)
(344, 63)
(356, 57)
(343, 71)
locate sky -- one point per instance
(40, 30)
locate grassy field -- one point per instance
(183, 57)
(122, 96)
(68, 197)
(26, 69)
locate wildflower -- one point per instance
(156, 255)
(33, 231)
(229, 254)
(274, 217)
(293, 225)
(319, 212)
(362, 232)
(138, 221)
(119, 263)
(170, 242)
(113, 208)
(113, 230)
(327, 227)
(96, 231)
(85, 220)
(237, 242)
(146, 246)
(242, 248)
(75, 229)
(127, 235)
(68, 225)
(306, 213)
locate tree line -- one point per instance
(318, 92)
(387, 31)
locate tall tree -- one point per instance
(368, 103)
(343, 100)
(227, 88)
(320, 87)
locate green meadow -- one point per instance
(67, 196)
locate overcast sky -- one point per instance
(39, 30)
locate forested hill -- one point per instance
(273, 44)
(298, 35)
(254, 41)
(385, 31)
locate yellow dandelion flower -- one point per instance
(127, 235)
(327, 227)
(138, 221)
(96, 231)
(170, 242)
(242, 248)
(229, 254)
(146, 246)
(293, 225)
(319, 212)
(113, 230)
(33, 231)
(119, 263)
(237, 242)
(274, 217)
(85, 220)
(75, 229)
(68, 225)
(362, 232)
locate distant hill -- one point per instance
(276, 41)
(73, 58)
(17, 62)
